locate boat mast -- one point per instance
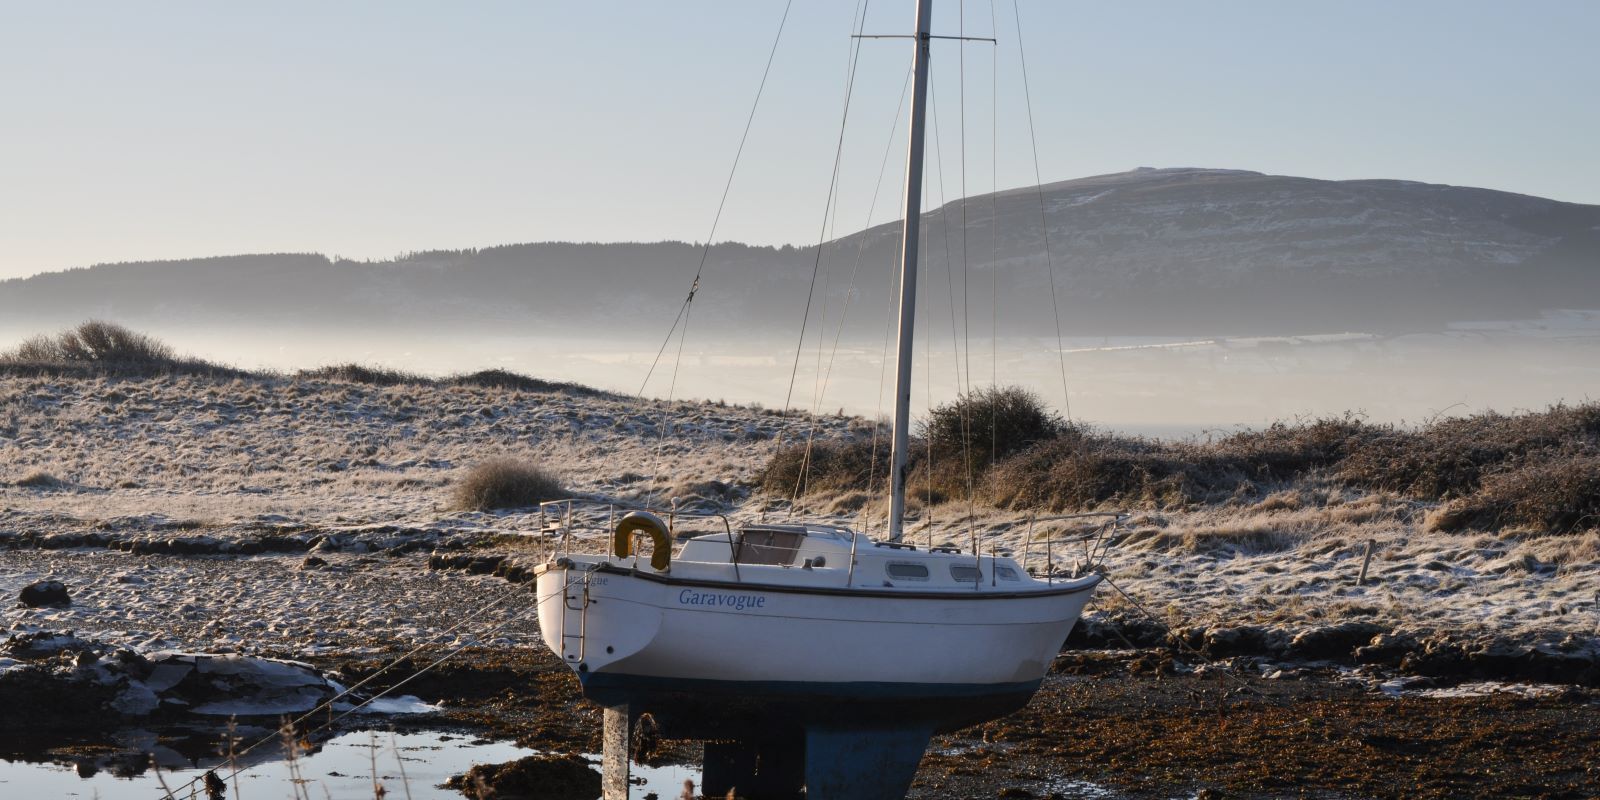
(908, 272)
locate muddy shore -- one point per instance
(1128, 722)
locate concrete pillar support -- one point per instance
(616, 739)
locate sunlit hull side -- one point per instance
(692, 645)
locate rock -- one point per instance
(45, 593)
(1333, 641)
(535, 777)
(1116, 631)
(1243, 640)
(1386, 648)
(135, 700)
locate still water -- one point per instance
(408, 765)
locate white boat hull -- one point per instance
(628, 632)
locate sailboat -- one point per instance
(829, 657)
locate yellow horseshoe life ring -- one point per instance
(647, 523)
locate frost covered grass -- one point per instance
(1535, 472)
(333, 451)
(1266, 527)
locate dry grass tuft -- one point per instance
(505, 483)
(40, 480)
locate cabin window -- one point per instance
(768, 547)
(1006, 574)
(907, 571)
(965, 573)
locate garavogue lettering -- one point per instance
(737, 602)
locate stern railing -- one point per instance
(1094, 531)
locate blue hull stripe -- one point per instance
(863, 690)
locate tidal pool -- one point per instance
(408, 765)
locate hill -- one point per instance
(1193, 251)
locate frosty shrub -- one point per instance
(505, 379)
(105, 349)
(94, 341)
(990, 424)
(505, 483)
(1452, 458)
(1535, 472)
(830, 467)
(1554, 496)
(359, 373)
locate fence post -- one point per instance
(1366, 561)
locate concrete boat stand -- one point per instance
(815, 761)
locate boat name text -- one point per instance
(737, 602)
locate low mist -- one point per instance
(1161, 386)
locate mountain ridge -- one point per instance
(1192, 250)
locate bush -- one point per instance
(1084, 469)
(834, 467)
(358, 373)
(1450, 458)
(105, 349)
(1559, 495)
(96, 342)
(1539, 470)
(505, 483)
(990, 424)
(505, 379)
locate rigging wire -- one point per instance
(829, 211)
(826, 374)
(994, 231)
(705, 253)
(962, 404)
(966, 311)
(966, 270)
(1044, 225)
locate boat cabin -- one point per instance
(762, 550)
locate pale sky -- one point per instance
(135, 131)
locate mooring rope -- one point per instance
(327, 705)
(1183, 646)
